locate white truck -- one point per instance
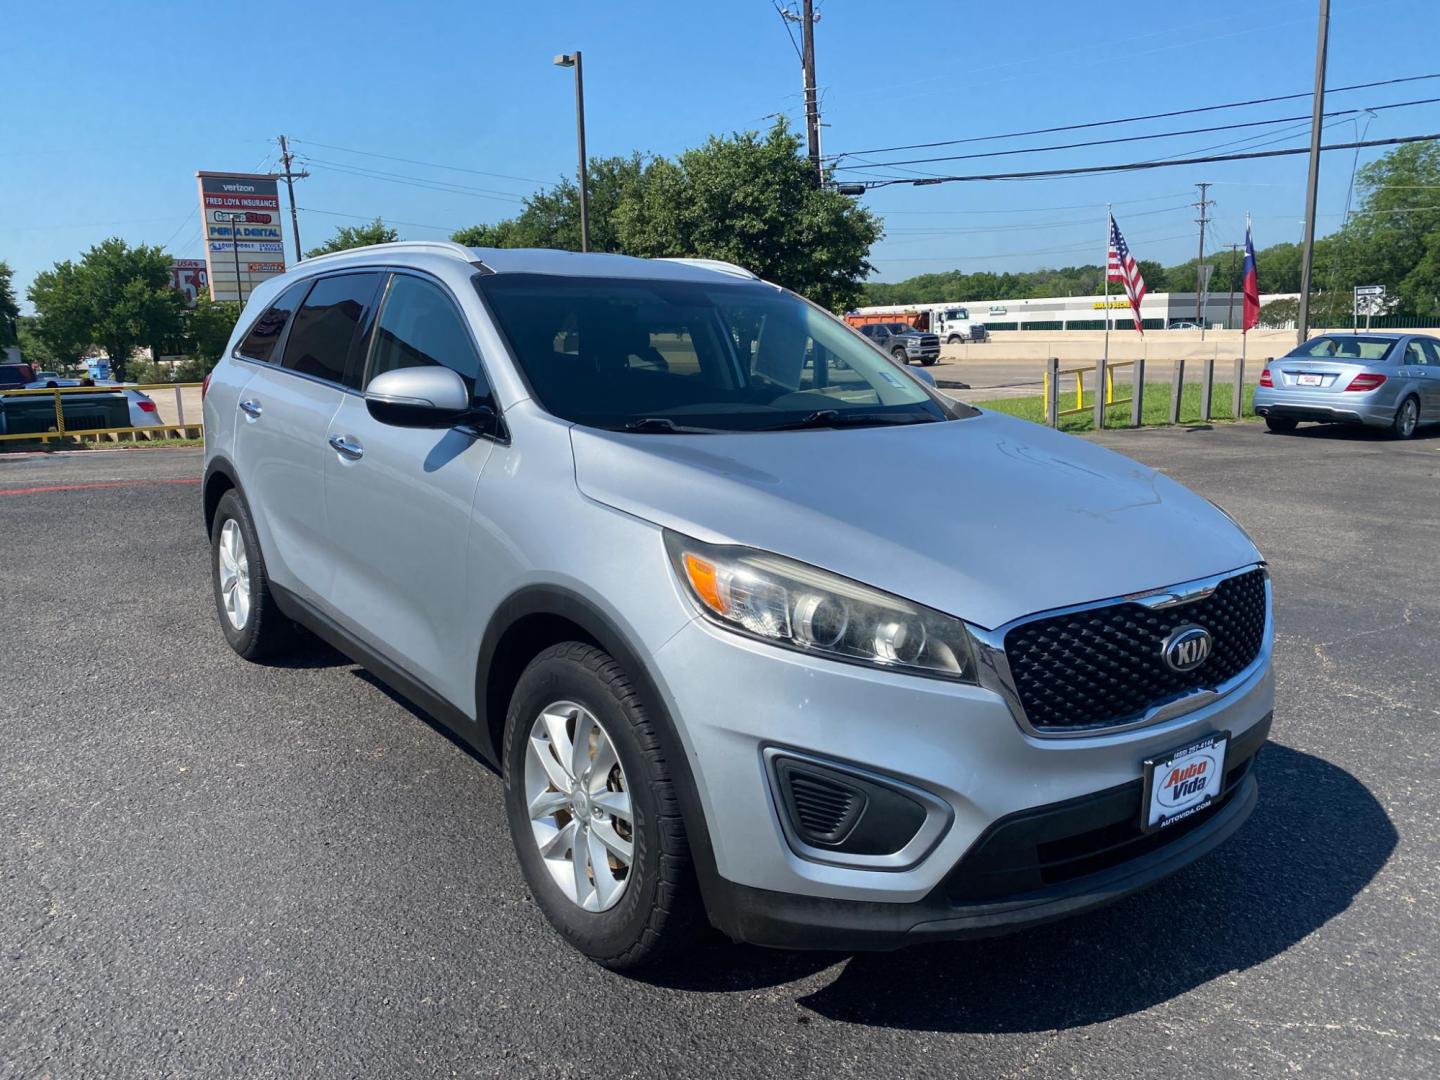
(951, 323)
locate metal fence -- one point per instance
(79, 412)
(1102, 394)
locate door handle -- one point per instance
(251, 407)
(346, 448)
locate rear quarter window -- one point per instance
(259, 343)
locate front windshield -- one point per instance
(679, 355)
(1345, 347)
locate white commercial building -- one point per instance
(1158, 310)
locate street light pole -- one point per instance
(573, 60)
(234, 219)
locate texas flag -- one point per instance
(1251, 314)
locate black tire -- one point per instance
(266, 631)
(1407, 419)
(954, 339)
(900, 356)
(928, 361)
(1281, 425)
(660, 911)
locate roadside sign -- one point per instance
(1369, 300)
(242, 218)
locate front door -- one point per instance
(398, 500)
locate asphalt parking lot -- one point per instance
(215, 869)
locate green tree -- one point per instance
(209, 325)
(354, 236)
(116, 296)
(9, 308)
(749, 199)
(752, 199)
(551, 218)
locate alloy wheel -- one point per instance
(234, 566)
(1409, 417)
(579, 806)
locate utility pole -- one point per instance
(290, 177)
(1203, 205)
(1312, 183)
(807, 18)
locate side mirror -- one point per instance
(419, 397)
(924, 376)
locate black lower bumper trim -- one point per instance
(783, 920)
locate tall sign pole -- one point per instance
(1312, 183)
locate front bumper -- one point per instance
(952, 912)
(738, 700)
(1326, 408)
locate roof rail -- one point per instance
(718, 265)
(434, 247)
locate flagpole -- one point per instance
(1244, 330)
(1109, 227)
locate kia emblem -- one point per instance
(1186, 648)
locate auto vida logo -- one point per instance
(1186, 781)
(1186, 648)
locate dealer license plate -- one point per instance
(1183, 782)
(1310, 380)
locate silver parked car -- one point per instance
(1379, 380)
(642, 533)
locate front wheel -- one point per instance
(1280, 424)
(900, 357)
(954, 339)
(1407, 419)
(928, 361)
(593, 811)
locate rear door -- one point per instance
(398, 500)
(1427, 377)
(284, 415)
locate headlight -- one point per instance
(801, 607)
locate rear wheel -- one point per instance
(593, 811)
(249, 617)
(1281, 424)
(899, 355)
(1407, 419)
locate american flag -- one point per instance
(1121, 267)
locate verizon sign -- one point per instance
(242, 219)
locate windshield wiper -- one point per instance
(838, 418)
(664, 426)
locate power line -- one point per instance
(373, 217)
(1138, 138)
(1131, 119)
(416, 161)
(1139, 166)
(414, 181)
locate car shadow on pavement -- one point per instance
(1355, 433)
(1316, 839)
(420, 714)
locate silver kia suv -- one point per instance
(760, 630)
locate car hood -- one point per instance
(987, 518)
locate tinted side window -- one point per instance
(1430, 352)
(320, 341)
(259, 343)
(419, 325)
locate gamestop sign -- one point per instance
(244, 239)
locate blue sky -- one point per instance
(107, 110)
